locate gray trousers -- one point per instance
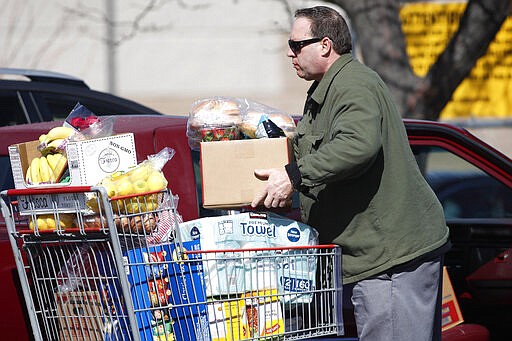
(400, 306)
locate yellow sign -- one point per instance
(487, 91)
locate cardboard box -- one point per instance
(228, 320)
(264, 314)
(88, 161)
(227, 169)
(451, 314)
(80, 315)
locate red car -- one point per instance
(472, 180)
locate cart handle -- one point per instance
(277, 248)
(49, 190)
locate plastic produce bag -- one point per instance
(136, 189)
(147, 176)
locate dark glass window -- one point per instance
(61, 105)
(464, 190)
(12, 111)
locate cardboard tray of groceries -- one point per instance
(227, 169)
(88, 161)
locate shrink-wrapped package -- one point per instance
(248, 266)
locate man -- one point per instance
(360, 186)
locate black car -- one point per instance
(29, 96)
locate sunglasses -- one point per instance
(296, 46)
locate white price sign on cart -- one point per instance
(51, 202)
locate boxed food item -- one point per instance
(80, 315)
(451, 314)
(227, 169)
(228, 320)
(264, 314)
(89, 161)
(159, 280)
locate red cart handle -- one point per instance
(49, 190)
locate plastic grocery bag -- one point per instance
(78, 270)
(88, 125)
(168, 219)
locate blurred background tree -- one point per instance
(377, 26)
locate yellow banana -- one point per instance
(61, 164)
(50, 221)
(58, 163)
(55, 143)
(59, 133)
(42, 138)
(34, 171)
(27, 176)
(46, 144)
(44, 170)
(52, 161)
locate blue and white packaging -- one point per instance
(159, 280)
(293, 274)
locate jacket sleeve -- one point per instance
(350, 144)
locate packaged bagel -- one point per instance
(256, 118)
(213, 119)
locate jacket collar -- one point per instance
(318, 90)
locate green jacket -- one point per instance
(361, 187)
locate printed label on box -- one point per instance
(228, 320)
(80, 315)
(264, 313)
(451, 314)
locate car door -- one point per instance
(474, 184)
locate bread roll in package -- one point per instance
(230, 118)
(254, 114)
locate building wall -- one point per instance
(179, 54)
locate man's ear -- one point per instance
(326, 46)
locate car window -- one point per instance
(60, 105)
(6, 180)
(11, 108)
(464, 190)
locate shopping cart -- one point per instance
(99, 268)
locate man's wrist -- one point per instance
(292, 169)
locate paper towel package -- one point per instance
(293, 272)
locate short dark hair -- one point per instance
(327, 22)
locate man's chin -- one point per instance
(304, 76)
(301, 74)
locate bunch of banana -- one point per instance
(51, 141)
(46, 169)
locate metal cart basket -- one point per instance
(98, 268)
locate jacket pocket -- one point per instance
(308, 144)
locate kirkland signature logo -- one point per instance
(293, 234)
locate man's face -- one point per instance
(306, 60)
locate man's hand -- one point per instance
(279, 189)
